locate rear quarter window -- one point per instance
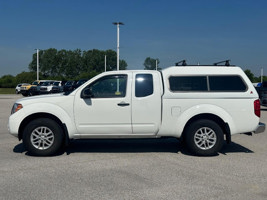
(211, 83)
(227, 84)
(188, 83)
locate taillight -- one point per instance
(257, 108)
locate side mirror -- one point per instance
(86, 93)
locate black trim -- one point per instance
(227, 134)
(66, 135)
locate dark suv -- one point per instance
(69, 86)
(262, 91)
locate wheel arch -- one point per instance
(43, 115)
(224, 125)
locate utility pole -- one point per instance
(118, 43)
(261, 75)
(37, 60)
(105, 63)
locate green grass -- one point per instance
(7, 91)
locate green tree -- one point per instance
(150, 64)
(74, 63)
(7, 81)
(71, 64)
(112, 60)
(250, 75)
(93, 60)
(123, 65)
(26, 77)
(62, 57)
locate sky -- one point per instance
(199, 31)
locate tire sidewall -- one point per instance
(44, 122)
(191, 131)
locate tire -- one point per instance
(24, 94)
(204, 138)
(42, 137)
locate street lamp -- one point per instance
(37, 60)
(118, 43)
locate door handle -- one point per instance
(122, 104)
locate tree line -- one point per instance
(77, 64)
(70, 65)
(253, 78)
(65, 65)
(74, 64)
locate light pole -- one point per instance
(118, 43)
(37, 60)
(261, 75)
(105, 63)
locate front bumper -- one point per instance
(260, 128)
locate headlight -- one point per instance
(16, 107)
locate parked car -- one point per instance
(25, 89)
(33, 89)
(79, 83)
(17, 89)
(69, 86)
(262, 91)
(58, 86)
(46, 87)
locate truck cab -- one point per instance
(120, 103)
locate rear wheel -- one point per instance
(204, 138)
(42, 137)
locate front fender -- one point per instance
(65, 116)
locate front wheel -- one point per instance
(43, 137)
(24, 94)
(30, 93)
(204, 138)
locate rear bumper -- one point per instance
(260, 128)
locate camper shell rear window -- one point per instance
(210, 83)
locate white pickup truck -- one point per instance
(203, 105)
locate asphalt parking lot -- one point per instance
(132, 169)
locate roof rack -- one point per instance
(183, 63)
(221, 63)
(226, 63)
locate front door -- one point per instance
(108, 110)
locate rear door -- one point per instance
(146, 102)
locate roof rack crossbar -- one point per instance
(183, 63)
(226, 63)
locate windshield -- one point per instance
(45, 84)
(42, 83)
(35, 83)
(56, 83)
(69, 83)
